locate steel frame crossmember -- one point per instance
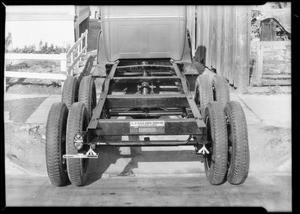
(135, 103)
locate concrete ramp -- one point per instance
(41, 114)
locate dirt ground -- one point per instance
(270, 146)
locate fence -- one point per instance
(80, 51)
(275, 54)
(67, 61)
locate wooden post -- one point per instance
(232, 41)
(259, 63)
(206, 35)
(238, 51)
(227, 44)
(242, 72)
(72, 60)
(81, 43)
(62, 85)
(63, 64)
(77, 13)
(220, 33)
(213, 35)
(78, 53)
(249, 18)
(80, 46)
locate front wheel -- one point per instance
(216, 136)
(238, 155)
(77, 122)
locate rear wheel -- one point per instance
(238, 155)
(205, 92)
(56, 144)
(220, 90)
(77, 122)
(70, 91)
(216, 136)
(87, 94)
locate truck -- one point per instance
(144, 58)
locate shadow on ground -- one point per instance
(109, 155)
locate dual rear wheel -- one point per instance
(227, 142)
(226, 136)
(65, 120)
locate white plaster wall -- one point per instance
(24, 33)
(28, 25)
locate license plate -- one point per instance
(147, 127)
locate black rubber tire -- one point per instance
(220, 90)
(238, 147)
(77, 122)
(205, 92)
(196, 92)
(70, 91)
(217, 144)
(87, 94)
(56, 144)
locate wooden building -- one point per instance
(221, 37)
(275, 25)
(272, 53)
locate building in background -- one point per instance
(275, 25)
(34, 25)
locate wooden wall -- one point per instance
(222, 33)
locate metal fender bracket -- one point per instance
(89, 154)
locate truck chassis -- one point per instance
(144, 98)
(161, 90)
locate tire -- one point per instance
(77, 122)
(220, 90)
(238, 155)
(70, 91)
(217, 144)
(196, 92)
(56, 144)
(204, 91)
(87, 94)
